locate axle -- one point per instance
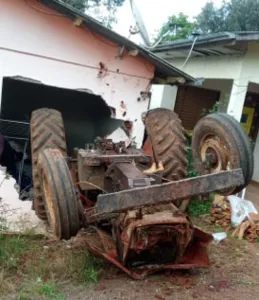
(169, 192)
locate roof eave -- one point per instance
(224, 39)
(160, 64)
(186, 44)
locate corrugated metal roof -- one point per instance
(201, 39)
(163, 68)
(216, 44)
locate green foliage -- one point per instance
(35, 270)
(180, 27)
(217, 107)
(107, 9)
(212, 19)
(190, 169)
(233, 15)
(90, 269)
(213, 110)
(34, 290)
(86, 4)
(197, 208)
(11, 249)
(50, 291)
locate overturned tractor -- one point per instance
(131, 203)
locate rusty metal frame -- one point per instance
(196, 255)
(168, 192)
(142, 216)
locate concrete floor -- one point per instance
(252, 193)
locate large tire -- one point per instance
(245, 143)
(47, 130)
(59, 194)
(166, 134)
(232, 143)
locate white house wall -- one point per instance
(248, 73)
(242, 70)
(251, 68)
(224, 86)
(49, 48)
(211, 67)
(163, 96)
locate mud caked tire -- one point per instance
(231, 138)
(47, 130)
(169, 144)
(166, 133)
(58, 193)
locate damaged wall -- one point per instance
(37, 43)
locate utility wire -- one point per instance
(190, 52)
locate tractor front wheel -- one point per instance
(219, 143)
(47, 130)
(58, 193)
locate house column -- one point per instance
(163, 96)
(237, 98)
(236, 104)
(1, 79)
(1, 89)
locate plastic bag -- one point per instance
(219, 236)
(240, 210)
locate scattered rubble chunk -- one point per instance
(225, 210)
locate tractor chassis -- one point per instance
(140, 205)
(130, 204)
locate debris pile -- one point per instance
(221, 213)
(233, 212)
(248, 229)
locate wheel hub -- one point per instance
(214, 155)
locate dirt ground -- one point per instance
(45, 269)
(233, 274)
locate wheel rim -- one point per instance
(215, 155)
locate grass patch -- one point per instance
(91, 268)
(39, 290)
(190, 168)
(50, 291)
(11, 250)
(33, 268)
(197, 208)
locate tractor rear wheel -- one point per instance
(47, 130)
(58, 193)
(219, 143)
(166, 133)
(169, 144)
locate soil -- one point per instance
(233, 274)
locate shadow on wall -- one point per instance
(85, 115)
